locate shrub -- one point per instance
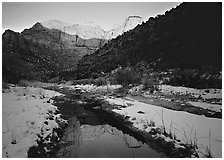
(5, 85)
(112, 80)
(24, 83)
(150, 82)
(85, 81)
(127, 76)
(195, 79)
(100, 81)
(120, 92)
(147, 81)
(54, 80)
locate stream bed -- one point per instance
(91, 133)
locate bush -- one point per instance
(54, 80)
(84, 81)
(5, 85)
(121, 92)
(150, 81)
(147, 81)
(195, 79)
(127, 76)
(100, 81)
(24, 83)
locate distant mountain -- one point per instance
(86, 31)
(188, 36)
(52, 46)
(90, 30)
(39, 52)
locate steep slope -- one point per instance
(130, 23)
(188, 36)
(39, 52)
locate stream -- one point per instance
(92, 133)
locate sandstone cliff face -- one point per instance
(84, 31)
(92, 31)
(130, 23)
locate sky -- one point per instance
(18, 16)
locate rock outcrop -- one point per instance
(92, 31)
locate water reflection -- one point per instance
(88, 141)
(107, 141)
(95, 134)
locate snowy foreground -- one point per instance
(26, 112)
(187, 127)
(205, 132)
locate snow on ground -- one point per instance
(136, 89)
(204, 93)
(187, 127)
(93, 88)
(120, 101)
(213, 107)
(25, 112)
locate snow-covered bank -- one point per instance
(187, 127)
(204, 93)
(27, 112)
(92, 87)
(213, 107)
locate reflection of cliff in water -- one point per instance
(102, 141)
(107, 141)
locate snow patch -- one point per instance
(94, 88)
(119, 102)
(187, 127)
(213, 107)
(25, 113)
(204, 93)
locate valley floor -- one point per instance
(28, 114)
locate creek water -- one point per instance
(92, 134)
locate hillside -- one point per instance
(52, 47)
(186, 37)
(38, 52)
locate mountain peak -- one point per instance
(131, 22)
(9, 31)
(137, 17)
(55, 24)
(37, 25)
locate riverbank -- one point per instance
(175, 133)
(182, 133)
(31, 125)
(205, 102)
